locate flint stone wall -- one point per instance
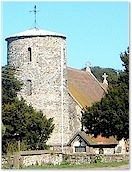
(45, 71)
(80, 158)
(84, 158)
(46, 157)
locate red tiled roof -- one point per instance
(91, 140)
(103, 140)
(84, 87)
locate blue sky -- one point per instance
(96, 31)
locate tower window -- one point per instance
(64, 52)
(29, 54)
(29, 87)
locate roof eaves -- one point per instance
(75, 100)
(69, 143)
(34, 33)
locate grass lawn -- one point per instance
(79, 166)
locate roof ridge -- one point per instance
(75, 69)
(91, 74)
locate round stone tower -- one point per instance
(40, 59)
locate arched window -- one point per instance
(29, 87)
(29, 54)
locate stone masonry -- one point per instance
(41, 65)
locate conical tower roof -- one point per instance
(35, 32)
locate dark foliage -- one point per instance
(21, 121)
(110, 116)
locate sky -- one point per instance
(96, 31)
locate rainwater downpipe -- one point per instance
(62, 95)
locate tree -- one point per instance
(3, 129)
(22, 122)
(98, 72)
(10, 84)
(112, 73)
(110, 116)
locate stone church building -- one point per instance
(61, 92)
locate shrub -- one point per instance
(99, 159)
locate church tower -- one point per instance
(40, 59)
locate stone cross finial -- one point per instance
(88, 64)
(105, 76)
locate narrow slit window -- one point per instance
(64, 53)
(29, 54)
(29, 87)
